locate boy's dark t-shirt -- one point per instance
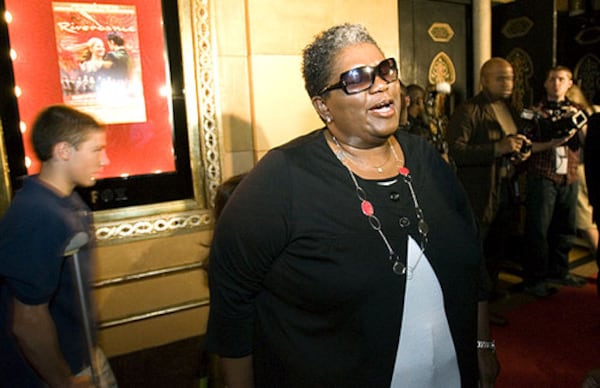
(34, 233)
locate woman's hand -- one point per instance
(489, 367)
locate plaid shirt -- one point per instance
(544, 163)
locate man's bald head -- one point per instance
(497, 78)
(492, 64)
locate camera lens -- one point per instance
(525, 148)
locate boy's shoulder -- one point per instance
(33, 196)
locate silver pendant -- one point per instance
(399, 268)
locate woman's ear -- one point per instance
(321, 108)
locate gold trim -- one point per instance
(150, 274)
(588, 36)
(441, 69)
(141, 276)
(517, 27)
(125, 320)
(166, 219)
(4, 175)
(522, 63)
(586, 74)
(206, 85)
(441, 32)
(153, 225)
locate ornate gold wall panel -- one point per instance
(587, 73)
(4, 177)
(441, 69)
(523, 68)
(441, 32)
(517, 27)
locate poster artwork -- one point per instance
(99, 60)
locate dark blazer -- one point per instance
(591, 157)
(472, 132)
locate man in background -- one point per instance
(117, 60)
(552, 187)
(485, 144)
(421, 124)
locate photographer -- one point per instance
(424, 124)
(485, 143)
(552, 187)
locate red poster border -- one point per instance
(133, 148)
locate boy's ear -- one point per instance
(62, 150)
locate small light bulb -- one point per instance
(13, 54)
(164, 91)
(23, 126)
(18, 91)
(8, 17)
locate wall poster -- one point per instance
(108, 58)
(99, 60)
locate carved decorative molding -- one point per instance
(588, 36)
(517, 27)
(165, 219)
(206, 71)
(587, 75)
(152, 226)
(522, 63)
(4, 179)
(441, 70)
(441, 32)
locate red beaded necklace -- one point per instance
(369, 211)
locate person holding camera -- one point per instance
(422, 124)
(552, 186)
(485, 143)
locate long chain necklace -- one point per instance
(369, 211)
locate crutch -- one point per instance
(72, 249)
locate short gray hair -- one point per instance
(318, 56)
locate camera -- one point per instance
(559, 124)
(561, 127)
(525, 148)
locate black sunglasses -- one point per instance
(362, 78)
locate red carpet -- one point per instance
(550, 342)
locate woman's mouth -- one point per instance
(383, 108)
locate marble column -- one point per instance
(482, 37)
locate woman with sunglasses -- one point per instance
(349, 256)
